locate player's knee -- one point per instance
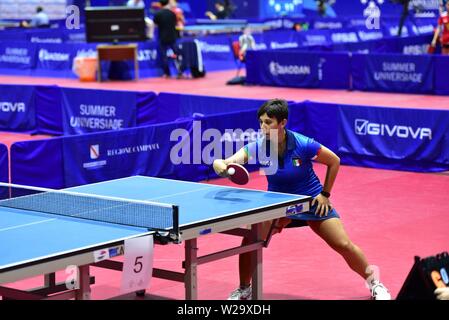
(343, 246)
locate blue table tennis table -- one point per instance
(36, 240)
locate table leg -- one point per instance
(191, 262)
(256, 262)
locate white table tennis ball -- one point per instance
(231, 171)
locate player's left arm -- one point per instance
(332, 161)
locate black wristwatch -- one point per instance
(326, 194)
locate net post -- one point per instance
(176, 233)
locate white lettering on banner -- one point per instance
(364, 36)
(415, 49)
(133, 149)
(364, 127)
(15, 55)
(398, 72)
(97, 110)
(344, 37)
(147, 55)
(12, 106)
(277, 69)
(311, 40)
(86, 53)
(277, 45)
(96, 123)
(45, 40)
(45, 55)
(206, 47)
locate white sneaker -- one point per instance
(241, 294)
(380, 292)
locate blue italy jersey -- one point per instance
(295, 172)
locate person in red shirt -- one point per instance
(443, 31)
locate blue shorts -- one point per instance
(301, 218)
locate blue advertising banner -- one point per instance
(393, 73)
(441, 75)
(55, 59)
(45, 36)
(97, 110)
(48, 110)
(17, 108)
(404, 139)
(283, 68)
(103, 156)
(17, 56)
(298, 69)
(38, 163)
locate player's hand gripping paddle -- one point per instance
(431, 49)
(237, 173)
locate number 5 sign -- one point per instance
(137, 264)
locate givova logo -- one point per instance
(277, 69)
(365, 128)
(6, 106)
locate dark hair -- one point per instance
(275, 108)
(39, 9)
(163, 2)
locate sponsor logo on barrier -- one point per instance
(398, 72)
(45, 55)
(45, 40)
(218, 48)
(277, 69)
(284, 45)
(344, 37)
(94, 151)
(416, 49)
(366, 128)
(86, 53)
(132, 149)
(147, 55)
(6, 106)
(365, 36)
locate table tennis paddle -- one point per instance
(237, 173)
(431, 49)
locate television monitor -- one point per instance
(115, 24)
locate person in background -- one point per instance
(40, 20)
(148, 22)
(442, 31)
(247, 42)
(165, 21)
(221, 12)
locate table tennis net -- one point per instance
(136, 213)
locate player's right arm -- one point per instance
(220, 165)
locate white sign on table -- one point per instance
(137, 264)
